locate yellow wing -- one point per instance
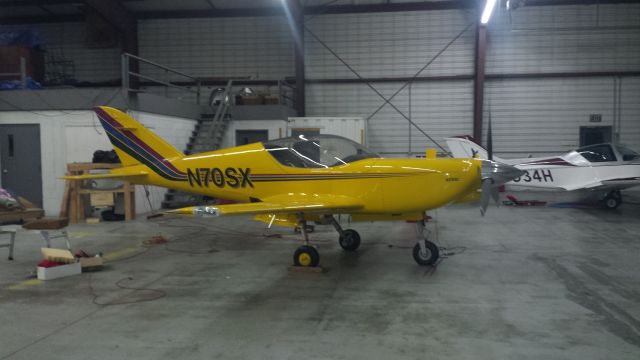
(276, 205)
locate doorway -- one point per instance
(590, 135)
(20, 161)
(244, 137)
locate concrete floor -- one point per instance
(521, 283)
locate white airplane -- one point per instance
(606, 168)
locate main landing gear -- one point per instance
(424, 252)
(612, 199)
(307, 255)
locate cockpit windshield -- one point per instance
(597, 153)
(627, 153)
(318, 151)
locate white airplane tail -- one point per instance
(464, 148)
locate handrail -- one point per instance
(283, 93)
(127, 74)
(222, 109)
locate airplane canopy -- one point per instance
(318, 151)
(607, 153)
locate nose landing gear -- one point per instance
(424, 252)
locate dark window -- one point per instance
(598, 153)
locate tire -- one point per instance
(349, 240)
(306, 256)
(430, 257)
(612, 202)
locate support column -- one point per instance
(478, 82)
(297, 30)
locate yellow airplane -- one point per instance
(294, 180)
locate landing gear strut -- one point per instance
(349, 239)
(424, 252)
(306, 255)
(612, 199)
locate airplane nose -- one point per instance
(499, 173)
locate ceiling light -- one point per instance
(488, 9)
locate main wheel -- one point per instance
(349, 240)
(427, 257)
(612, 201)
(306, 256)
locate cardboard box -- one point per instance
(60, 271)
(271, 100)
(91, 263)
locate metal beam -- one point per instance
(478, 82)
(296, 18)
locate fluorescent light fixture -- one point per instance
(488, 9)
(507, 5)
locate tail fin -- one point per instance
(137, 145)
(462, 147)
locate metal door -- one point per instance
(244, 137)
(20, 161)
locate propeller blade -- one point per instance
(487, 184)
(489, 138)
(495, 195)
(493, 175)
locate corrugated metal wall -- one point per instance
(531, 115)
(256, 48)
(383, 45)
(544, 115)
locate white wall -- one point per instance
(73, 136)
(276, 129)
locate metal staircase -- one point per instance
(207, 135)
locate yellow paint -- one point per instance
(431, 154)
(80, 234)
(375, 188)
(24, 284)
(304, 259)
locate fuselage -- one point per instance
(250, 173)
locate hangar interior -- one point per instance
(550, 273)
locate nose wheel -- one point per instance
(425, 252)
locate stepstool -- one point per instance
(45, 225)
(11, 231)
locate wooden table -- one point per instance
(74, 197)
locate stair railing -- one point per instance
(128, 73)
